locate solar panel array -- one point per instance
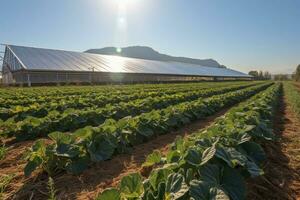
(59, 60)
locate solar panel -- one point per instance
(59, 60)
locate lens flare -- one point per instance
(119, 50)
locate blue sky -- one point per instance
(243, 35)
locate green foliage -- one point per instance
(131, 186)
(3, 151)
(109, 194)
(27, 123)
(260, 75)
(73, 152)
(213, 163)
(293, 96)
(297, 74)
(152, 159)
(35, 157)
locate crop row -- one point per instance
(30, 96)
(27, 99)
(293, 96)
(211, 164)
(74, 152)
(80, 102)
(32, 127)
(47, 94)
(17, 93)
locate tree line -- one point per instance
(283, 77)
(260, 75)
(296, 75)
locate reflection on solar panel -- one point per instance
(28, 58)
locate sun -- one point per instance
(122, 4)
(126, 4)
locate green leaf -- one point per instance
(233, 183)
(218, 194)
(216, 181)
(34, 121)
(109, 194)
(131, 186)
(84, 133)
(32, 165)
(161, 191)
(65, 146)
(208, 154)
(189, 175)
(152, 159)
(173, 156)
(231, 156)
(193, 157)
(100, 149)
(149, 196)
(39, 146)
(253, 169)
(175, 186)
(67, 150)
(179, 144)
(145, 131)
(159, 175)
(77, 166)
(199, 190)
(255, 151)
(35, 157)
(174, 183)
(210, 174)
(18, 109)
(60, 137)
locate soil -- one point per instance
(282, 169)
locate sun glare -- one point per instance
(122, 4)
(117, 64)
(126, 4)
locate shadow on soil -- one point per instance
(276, 183)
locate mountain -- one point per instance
(148, 53)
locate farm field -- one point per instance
(209, 140)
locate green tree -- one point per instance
(267, 75)
(260, 75)
(297, 73)
(253, 73)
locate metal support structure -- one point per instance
(91, 74)
(28, 80)
(1, 59)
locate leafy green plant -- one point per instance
(3, 151)
(39, 155)
(213, 163)
(30, 126)
(293, 96)
(73, 152)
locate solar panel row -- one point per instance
(59, 60)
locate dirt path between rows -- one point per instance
(282, 169)
(95, 179)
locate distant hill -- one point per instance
(148, 53)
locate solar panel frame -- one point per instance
(40, 59)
